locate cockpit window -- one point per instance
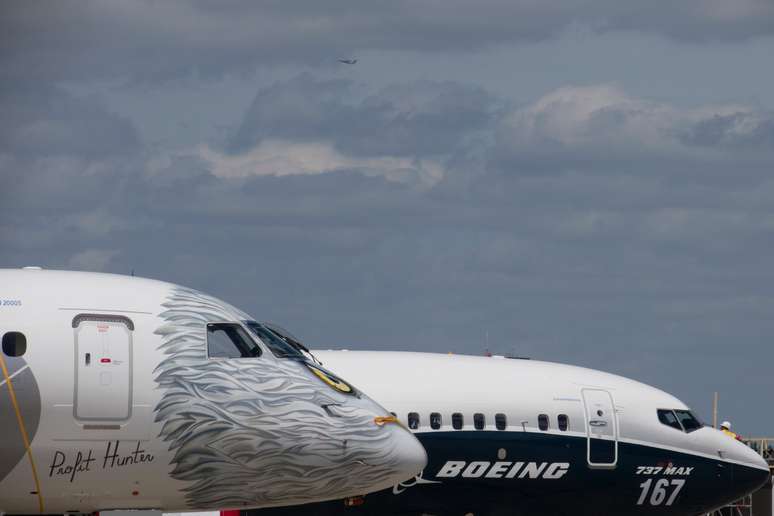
(688, 420)
(682, 420)
(668, 418)
(277, 345)
(229, 340)
(286, 336)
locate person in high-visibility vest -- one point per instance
(725, 427)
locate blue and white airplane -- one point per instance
(511, 436)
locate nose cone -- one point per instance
(383, 464)
(749, 470)
(411, 456)
(377, 452)
(751, 474)
(748, 480)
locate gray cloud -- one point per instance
(150, 41)
(602, 128)
(420, 119)
(584, 226)
(748, 131)
(46, 121)
(466, 131)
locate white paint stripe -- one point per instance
(14, 374)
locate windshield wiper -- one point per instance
(291, 341)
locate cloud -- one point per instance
(746, 130)
(602, 126)
(417, 119)
(46, 121)
(65, 163)
(589, 225)
(149, 41)
(305, 126)
(283, 158)
(589, 117)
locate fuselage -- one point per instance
(507, 436)
(122, 392)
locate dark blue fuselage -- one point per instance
(523, 473)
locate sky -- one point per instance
(581, 181)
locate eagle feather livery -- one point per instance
(256, 431)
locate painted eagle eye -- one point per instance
(332, 380)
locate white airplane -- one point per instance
(125, 393)
(509, 436)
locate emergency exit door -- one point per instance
(601, 428)
(103, 367)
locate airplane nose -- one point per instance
(748, 480)
(381, 464)
(741, 469)
(412, 457)
(751, 476)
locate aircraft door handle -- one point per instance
(597, 422)
(88, 358)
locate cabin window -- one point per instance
(457, 421)
(229, 340)
(688, 420)
(668, 418)
(435, 420)
(413, 420)
(479, 422)
(14, 344)
(543, 422)
(563, 422)
(501, 422)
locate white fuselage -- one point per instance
(116, 403)
(424, 383)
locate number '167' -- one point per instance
(661, 491)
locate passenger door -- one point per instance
(103, 367)
(601, 428)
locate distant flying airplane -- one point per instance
(124, 392)
(510, 436)
(348, 61)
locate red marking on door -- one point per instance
(229, 513)
(104, 360)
